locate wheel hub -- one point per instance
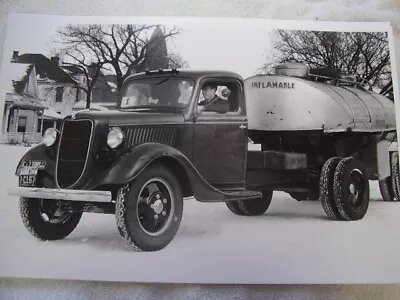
(353, 190)
(356, 188)
(53, 212)
(157, 206)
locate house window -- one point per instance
(39, 125)
(59, 93)
(22, 124)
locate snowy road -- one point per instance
(293, 242)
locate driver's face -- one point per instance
(208, 92)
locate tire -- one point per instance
(386, 189)
(39, 217)
(233, 206)
(137, 218)
(327, 197)
(300, 196)
(350, 180)
(254, 207)
(395, 176)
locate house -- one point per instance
(46, 93)
(25, 115)
(58, 85)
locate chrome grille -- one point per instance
(73, 151)
(139, 135)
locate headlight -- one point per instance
(49, 137)
(115, 137)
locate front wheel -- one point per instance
(149, 209)
(48, 219)
(253, 207)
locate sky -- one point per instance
(203, 46)
(239, 45)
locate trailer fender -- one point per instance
(130, 166)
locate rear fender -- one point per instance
(130, 166)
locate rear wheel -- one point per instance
(48, 219)
(253, 207)
(351, 189)
(149, 209)
(304, 196)
(233, 206)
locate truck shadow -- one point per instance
(109, 240)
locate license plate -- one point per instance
(28, 171)
(27, 180)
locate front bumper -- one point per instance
(62, 194)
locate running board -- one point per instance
(61, 194)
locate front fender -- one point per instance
(128, 167)
(41, 152)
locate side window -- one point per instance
(219, 97)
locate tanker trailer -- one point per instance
(347, 132)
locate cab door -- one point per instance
(220, 139)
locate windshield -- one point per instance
(157, 93)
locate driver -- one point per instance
(212, 102)
(134, 97)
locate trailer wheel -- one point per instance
(327, 197)
(149, 209)
(386, 189)
(395, 176)
(254, 207)
(46, 219)
(351, 189)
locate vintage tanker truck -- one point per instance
(169, 140)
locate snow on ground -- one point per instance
(292, 243)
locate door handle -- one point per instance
(242, 126)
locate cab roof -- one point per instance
(195, 74)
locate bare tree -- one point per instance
(118, 49)
(176, 61)
(365, 55)
(81, 66)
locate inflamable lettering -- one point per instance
(273, 85)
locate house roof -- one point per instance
(45, 67)
(25, 102)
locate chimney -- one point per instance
(55, 60)
(15, 55)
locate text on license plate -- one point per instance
(31, 167)
(27, 180)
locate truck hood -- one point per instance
(119, 118)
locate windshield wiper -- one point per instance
(162, 81)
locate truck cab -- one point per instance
(174, 135)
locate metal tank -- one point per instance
(287, 101)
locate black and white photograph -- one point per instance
(199, 150)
